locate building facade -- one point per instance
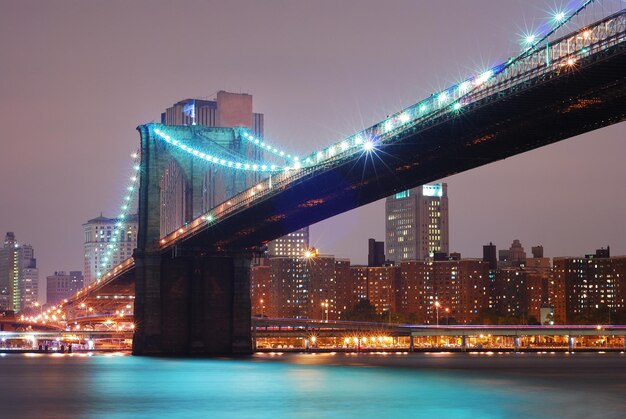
(416, 223)
(19, 275)
(586, 287)
(62, 285)
(98, 233)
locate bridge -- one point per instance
(192, 282)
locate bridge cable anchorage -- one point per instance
(117, 235)
(244, 165)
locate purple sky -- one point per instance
(76, 78)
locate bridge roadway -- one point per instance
(575, 86)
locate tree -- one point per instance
(363, 311)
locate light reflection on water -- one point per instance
(324, 385)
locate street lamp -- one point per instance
(262, 307)
(447, 316)
(437, 305)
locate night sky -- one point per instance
(77, 77)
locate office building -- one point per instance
(19, 275)
(489, 255)
(62, 285)
(376, 253)
(98, 233)
(416, 223)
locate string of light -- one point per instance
(118, 229)
(218, 160)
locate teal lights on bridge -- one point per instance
(218, 160)
(267, 147)
(118, 227)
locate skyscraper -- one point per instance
(98, 233)
(19, 276)
(416, 223)
(376, 253)
(62, 285)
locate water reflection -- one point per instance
(323, 385)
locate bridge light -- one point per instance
(368, 146)
(134, 155)
(404, 117)
(358, 140)
(136, 167)
(559, 17)
(423, 107)
(443, 96)
(529, 39)
(388, 126)
(464, 87)
(456, 106)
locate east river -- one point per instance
(460, 385)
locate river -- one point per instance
(458, 385)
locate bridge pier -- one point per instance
(411, 343)
(192, 303)
(463, 343)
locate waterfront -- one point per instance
(315, 385)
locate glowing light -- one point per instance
(559, 17)
(404, 117)
(423, 107)
(388, 126)
(443, 96)
(464, 87)
(456, 106)
(368, 146)
(529, 39)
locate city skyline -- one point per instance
(558, 193)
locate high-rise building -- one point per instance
(98, 234)
(416, 223)
(293, 245)
(517, 255)
(261, 296)
(19, 276)
(489, 255)
(62, 285)
(584, 286)
(376, 253)
(290, 286)
(454, 290)
(29, 277)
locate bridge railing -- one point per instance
(560, 54)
